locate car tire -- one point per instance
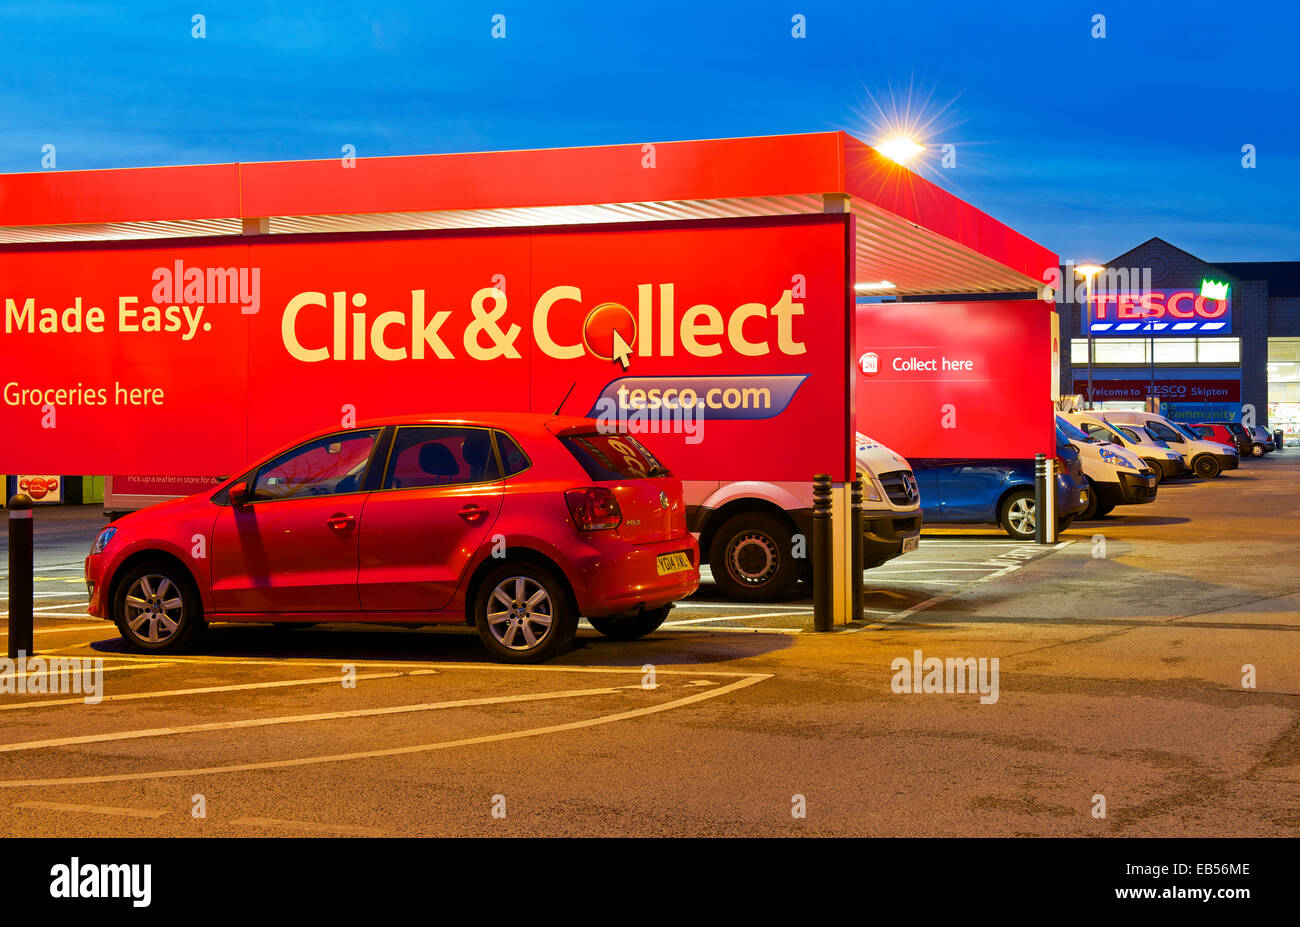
(752, 557)
(1103, 511)
(1206, 467)
(1257, 450)
(631, 626)
(150, 616)
(1090, 510)
(534, 603)
(1063, 522)
(1155, 468)
(1017, 515)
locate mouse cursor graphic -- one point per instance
(622, 350)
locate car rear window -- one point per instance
(613, 456)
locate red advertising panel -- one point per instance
(1173, 390)
(194, 357)
(956, 380)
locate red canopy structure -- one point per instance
(909, 232)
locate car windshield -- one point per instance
(1188, 431)
(1073, 433)
(1135, 437)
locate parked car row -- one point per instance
(1103, 460)
(1255, 441)
(517, 524)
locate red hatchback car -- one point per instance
(515, 523)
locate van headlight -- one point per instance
(101, 541)
(1117, 460)
(869, 491)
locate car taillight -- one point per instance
(593, 509)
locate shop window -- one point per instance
(1175, 350)
(1218, 350)
(1120, 351)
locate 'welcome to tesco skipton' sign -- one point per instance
(195, 356)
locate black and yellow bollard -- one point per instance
(823, 543)
(20, 575)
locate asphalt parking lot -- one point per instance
(1121, 650)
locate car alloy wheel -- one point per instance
(520, 613)
(1020, 515)
(525, 613)
(1257, 450)
(154, 609)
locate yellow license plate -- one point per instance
(672, 563)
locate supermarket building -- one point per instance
(1207, 365)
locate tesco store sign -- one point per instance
(1172, 390)
(1159, 313)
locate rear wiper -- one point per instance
(659, 471)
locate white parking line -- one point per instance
(49, 568)
(948, 570)
(690, 621)
(90, 809)
(42, 674)
(936, 582)
(296, 719)
(307, 826)
(172, 693)
(102, 626)
(748, 679)
(921, 606)
(734, 605)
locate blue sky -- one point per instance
(1087, 145)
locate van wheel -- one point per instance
(524, 614)
(1155, 468)
(1063, 522)
(1018, 515)
(157, 609)
(1103, 511)
(631, 626)
(752, 557)
(1206, 467)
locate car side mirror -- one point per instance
(240, 495)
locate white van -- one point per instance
(747, 528)
(1115, 475)
(1207, 459)
(1153, 452)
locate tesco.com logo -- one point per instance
(869, 363)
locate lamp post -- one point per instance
(1088, 271)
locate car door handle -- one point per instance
(341, 522)
(472, 512)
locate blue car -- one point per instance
(998, 492)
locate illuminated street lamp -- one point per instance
(900, 149)
(1088, 271)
